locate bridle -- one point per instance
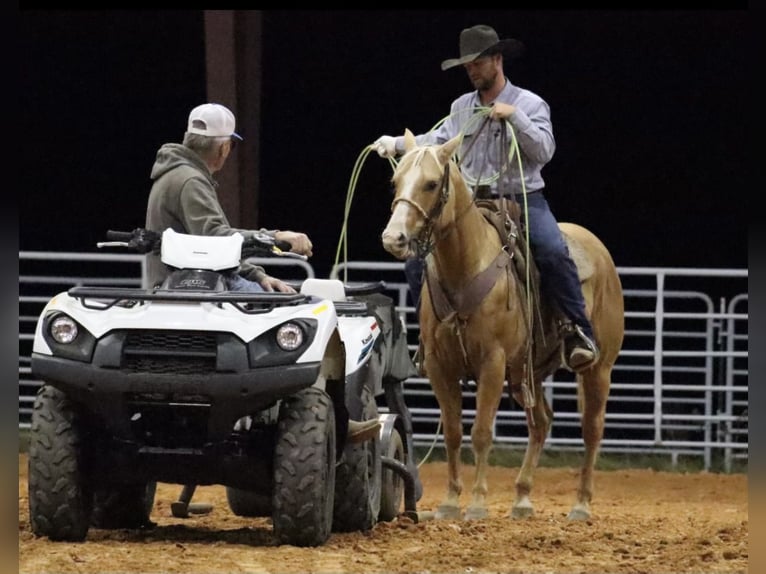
(436, 209)
(423, 239)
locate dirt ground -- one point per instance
(643, 521)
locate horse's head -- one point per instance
(421, 193)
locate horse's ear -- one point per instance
(409, 140)
(447, 149)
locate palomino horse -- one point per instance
(488, 339)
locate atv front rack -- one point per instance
(103, 298)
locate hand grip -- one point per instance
(119, 235)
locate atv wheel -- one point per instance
(358, 478)
(59, 497)
(304, 469)
(392, 490)
(248, 503)
(123, 506)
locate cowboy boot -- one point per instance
(580, 352)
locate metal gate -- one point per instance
(680, 385)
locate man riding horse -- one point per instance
(485, 165)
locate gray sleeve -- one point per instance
(533, 128)
(252, 272)
(203, 214)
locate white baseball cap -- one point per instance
(212, 120)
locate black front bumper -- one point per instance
(217, 399)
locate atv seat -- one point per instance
(331, 289)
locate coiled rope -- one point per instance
(513, 151)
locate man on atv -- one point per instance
(183, 197)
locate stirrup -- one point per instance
(419, 360)
(578, 351)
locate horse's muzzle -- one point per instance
(397, 244)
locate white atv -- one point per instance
(192, 384)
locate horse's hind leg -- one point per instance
(541, 417)
(593, 386)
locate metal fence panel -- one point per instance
(680, 385)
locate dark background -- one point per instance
(649, 112)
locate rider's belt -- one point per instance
(485, 192)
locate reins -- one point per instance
(426, 245)
(528, 390)
(343, 239)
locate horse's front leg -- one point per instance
(537, 427)
(448, 394)
(489, 390)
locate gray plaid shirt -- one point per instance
(534, 132)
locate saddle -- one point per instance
(548, 324)
(505, 216)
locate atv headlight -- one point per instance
(63, 329)
(67, 338)
(282, 344)
(289, 337)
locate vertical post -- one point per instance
(221, 72)
(233, 60)
(729, 382)
(709, 352)
(658, 346)
(249, 32)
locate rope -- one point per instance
(479, 115)
(343, 239)
(433, 444)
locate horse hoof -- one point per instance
(475, 513)
(522, 511)
(447, 512)
(578, 514)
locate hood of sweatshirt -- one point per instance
(172, 155)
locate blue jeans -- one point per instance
(413, 271)
(558, 273)
(236, 282)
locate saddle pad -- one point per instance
(580, 257)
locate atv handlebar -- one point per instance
(143, 241)
(119, 235)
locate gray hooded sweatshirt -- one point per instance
(183, 197)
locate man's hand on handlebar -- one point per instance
(299, 242)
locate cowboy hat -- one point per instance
(477, 41)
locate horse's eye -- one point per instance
(431, 186)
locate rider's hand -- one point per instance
(385, 146)
(300, 242)
(271, 284)
(501, 111)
